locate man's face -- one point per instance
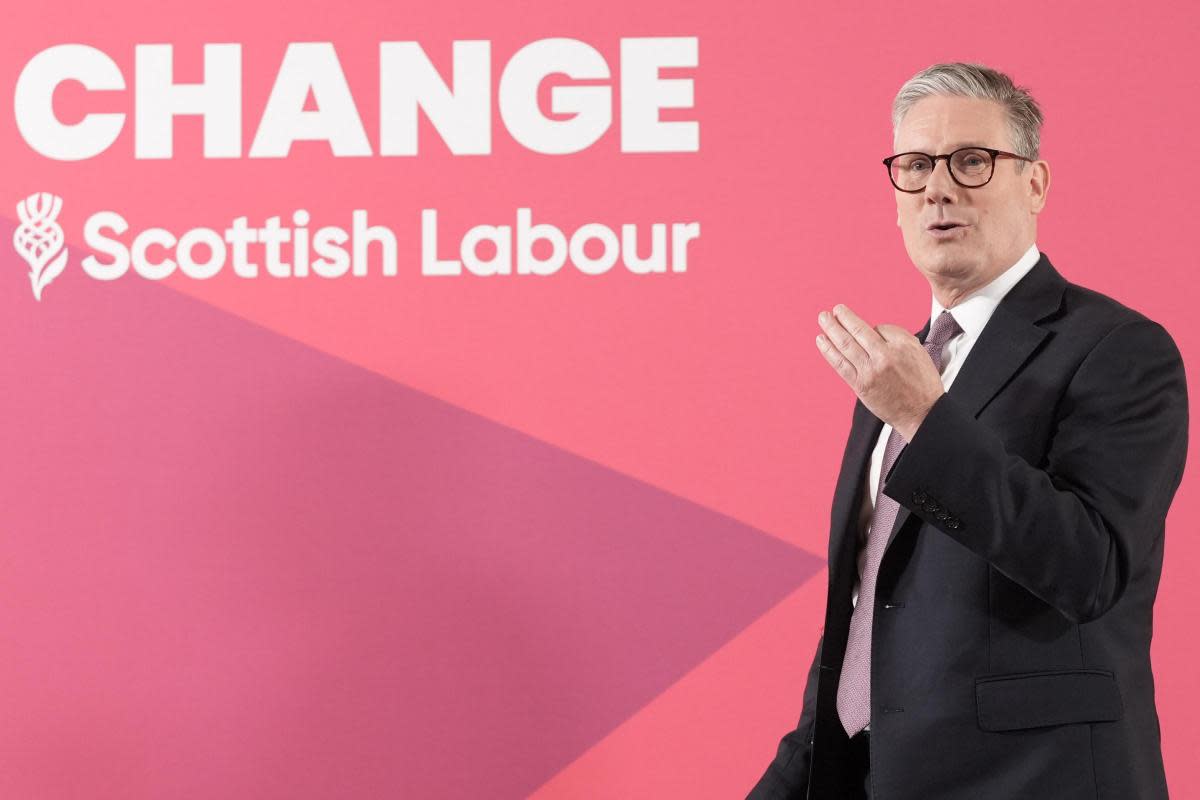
(997, 219)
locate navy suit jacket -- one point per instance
(1011, 633)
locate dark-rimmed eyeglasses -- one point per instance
(970, 167)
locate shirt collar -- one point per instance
(974, 311)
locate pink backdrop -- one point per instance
(512, 536)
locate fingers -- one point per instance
(864, 335)
(845, 333)
(842, 340)
(836, 360)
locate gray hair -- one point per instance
(978, 81)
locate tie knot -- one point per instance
(944, 328)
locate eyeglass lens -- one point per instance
(972, 167)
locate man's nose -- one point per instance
(941, 188)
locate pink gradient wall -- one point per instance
(513, 536)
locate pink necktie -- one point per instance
(854, 685)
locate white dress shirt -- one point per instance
(972, 314)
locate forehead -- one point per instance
(939, 123)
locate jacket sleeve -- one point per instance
(1074, 531)
(786, 777)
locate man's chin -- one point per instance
(945, 261)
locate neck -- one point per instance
(950, 295)
(950, 290)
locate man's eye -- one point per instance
(917, 166)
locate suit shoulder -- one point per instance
(1092, 316)
(1101, 329)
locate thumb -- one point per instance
(893, 333)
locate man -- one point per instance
(997, 525)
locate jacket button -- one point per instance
(919, 497)
(931, 506)
(953, 522)
(941, 515)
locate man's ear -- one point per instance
(1039, 185)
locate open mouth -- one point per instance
(945, 230)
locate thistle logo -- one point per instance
(39, 239)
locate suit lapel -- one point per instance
(1006, 342)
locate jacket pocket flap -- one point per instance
(1037, 699)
